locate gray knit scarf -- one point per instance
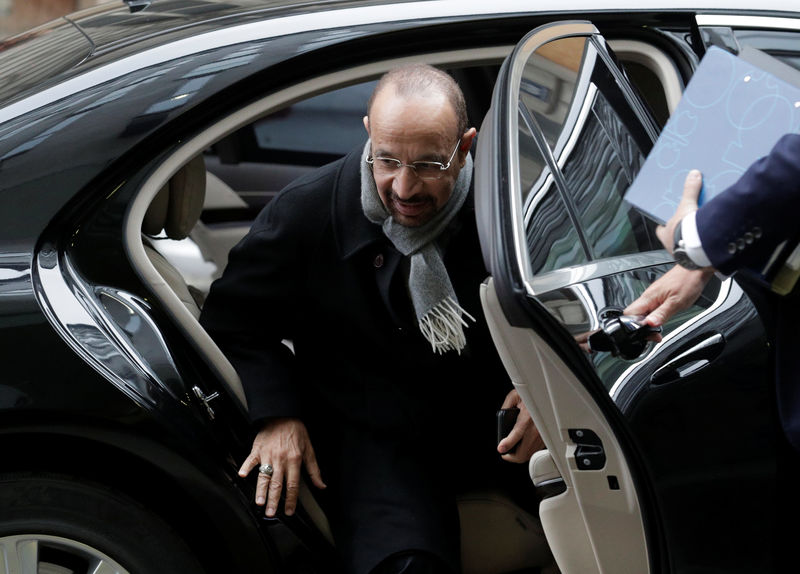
(435, 304)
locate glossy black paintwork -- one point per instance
(60, 45)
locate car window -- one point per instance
(597, 146)
(328, 124)
(780, 44)
(552, 238)
(260, 158)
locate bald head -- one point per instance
(417, 115)
(421, 81)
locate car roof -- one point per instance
(41, 55)
(111, 25)
(85, 40)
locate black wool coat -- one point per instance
(396, 427)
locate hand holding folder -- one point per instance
(733, 111)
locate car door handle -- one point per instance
(621, 335)
(689, 362)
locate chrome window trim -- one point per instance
(750, 22)
(576, 128)
(72, 309)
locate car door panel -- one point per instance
(576, 520)
(686, 426)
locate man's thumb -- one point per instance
(692, 187)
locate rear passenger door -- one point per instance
(648, 456)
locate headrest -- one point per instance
(178, 205)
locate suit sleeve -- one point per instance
(252, 308)
(743, 225)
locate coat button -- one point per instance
(748, 238)
(740, 244)
(731, 248)
(378, 262)
(757, 232)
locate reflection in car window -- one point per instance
(548, 84)
(552, 240)
(577, 307)
(545, 93)
(599, 170)
(551, 236)
(571, 100)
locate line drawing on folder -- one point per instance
(734, 109)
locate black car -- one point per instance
(124, 425)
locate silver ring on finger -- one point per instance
(266, 469)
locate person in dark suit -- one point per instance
(740, 228)
(371, 267)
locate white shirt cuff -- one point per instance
(691, 241)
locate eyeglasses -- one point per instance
(423, 169)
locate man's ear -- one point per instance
(467, 138)
(466, 144)
(366, 124)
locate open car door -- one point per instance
(661, 458)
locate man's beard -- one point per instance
(413, 212)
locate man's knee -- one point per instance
(412, 562)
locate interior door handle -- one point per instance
(690, 361)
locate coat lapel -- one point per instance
(351, 228)
(356, 235)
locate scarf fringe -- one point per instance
(443, 326)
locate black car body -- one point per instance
(124, 426)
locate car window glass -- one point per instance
(780, 44)
(544, 94)
(329, 123)
(552, 239)
(599, 169)
(596, 140)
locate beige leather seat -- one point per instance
(215, 243)
(497, 536)
(176, 209)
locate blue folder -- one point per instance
(733, 111)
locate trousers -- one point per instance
(412, 562)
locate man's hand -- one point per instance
(679, 288)
(524, 432)
(691, 192)
(284, 444)
(674, 291)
